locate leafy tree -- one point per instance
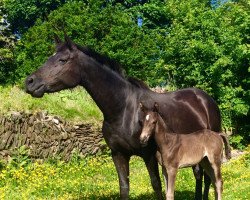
(127, 3)
(22, 14)
(209, 49)
(154, 15)
(6, 49)
(110, 30)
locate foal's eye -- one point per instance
(62, 61)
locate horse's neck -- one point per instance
(108, 89)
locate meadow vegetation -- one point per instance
(74, 105)
(96, 178)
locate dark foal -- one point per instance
(203, 147)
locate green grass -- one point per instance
(96, 178)
(75, 105)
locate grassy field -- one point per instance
(92, 177)
(75, 105)
(96, 178)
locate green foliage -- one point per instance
(110, 30)
(22, 14)
(7, 41)
(20, 158)
(237, 141)
(210, 49)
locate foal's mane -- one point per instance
(113, 65)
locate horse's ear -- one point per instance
(69, 42)
(57, 39)
(156, 107)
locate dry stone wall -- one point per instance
(48, 136)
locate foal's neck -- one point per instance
(108, 89)
(162, 133)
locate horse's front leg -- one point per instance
(121, 162)
(198, 173)
(153, 170)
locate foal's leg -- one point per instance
(198, 173)
(165, 176)
(218, 179)
(213, 170)
(122, 167)
(153, 170)
(171, 171)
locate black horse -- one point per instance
(118, 97)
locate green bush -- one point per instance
(210, 49)
(110, 30)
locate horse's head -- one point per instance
(149, 123)
(60, 71)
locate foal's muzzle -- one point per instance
(144, 141)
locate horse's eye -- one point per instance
(62, 61)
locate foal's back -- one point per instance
(195, 146)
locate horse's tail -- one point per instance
(227, 145)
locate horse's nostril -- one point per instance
(30, 80)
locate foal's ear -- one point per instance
(142, 107)
(156, 107)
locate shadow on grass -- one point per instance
(179, 195)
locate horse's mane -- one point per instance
(138, 83)
(104, 60)
(113, 65)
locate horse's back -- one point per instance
(188, 110)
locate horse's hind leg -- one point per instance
(207, 183)
(198, 173)
(122, 167)
(153, 170)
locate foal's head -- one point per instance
(149, 123)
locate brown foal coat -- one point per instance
(203, 147)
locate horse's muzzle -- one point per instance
(34, 86)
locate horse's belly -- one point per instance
(120, 144)
(121, 140)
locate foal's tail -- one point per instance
(227, 145)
